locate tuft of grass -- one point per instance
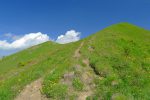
(77, 84)
(56, 91)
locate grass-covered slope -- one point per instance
(111, 64)
(20, 69)
(121, 57)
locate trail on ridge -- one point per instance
(86, 78)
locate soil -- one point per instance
(32, 92)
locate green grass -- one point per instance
(120, 58)
(77, 84)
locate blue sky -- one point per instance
(56, 17)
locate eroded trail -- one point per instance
(86, 77)
(77, 52)
(32, 91)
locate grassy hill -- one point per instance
(113, 64)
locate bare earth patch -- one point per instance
(84, 95)
(32, 92)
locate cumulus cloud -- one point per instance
(24, 41)
(21, 42)
(31, 39)
(69, 36)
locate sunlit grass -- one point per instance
(119, 56)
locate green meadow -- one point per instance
(112, 64)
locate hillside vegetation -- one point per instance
(113, 64)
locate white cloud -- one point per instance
(25, 41)
(70, 36)
(31, 39)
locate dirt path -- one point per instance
(77, 52)
(32, 91)
(85, 77)
(84, 95)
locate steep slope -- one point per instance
(120, 55)
(20, 69)
(111, 64)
